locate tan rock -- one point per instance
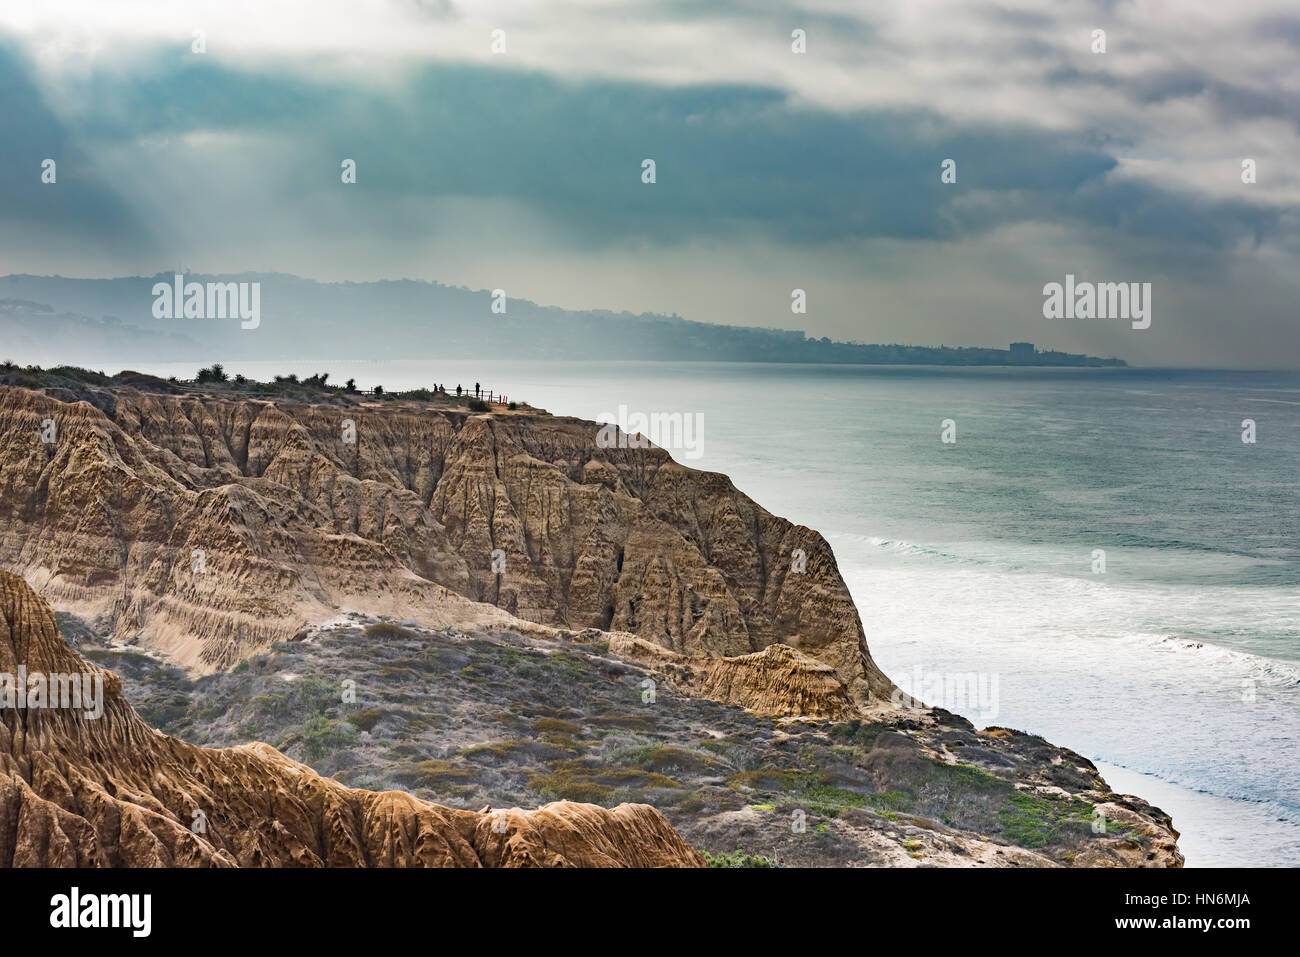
(291, 524)
(777, 680)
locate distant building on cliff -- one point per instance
(1022, 352)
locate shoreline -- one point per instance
(1191, 809)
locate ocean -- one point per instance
(1100, 549)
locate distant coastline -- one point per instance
(42, 317)
(826, 352)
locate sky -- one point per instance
(209, 136)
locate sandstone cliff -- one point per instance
(210, 526)
(109, 791)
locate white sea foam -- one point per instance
(1076, 665)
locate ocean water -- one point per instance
(1175, 666)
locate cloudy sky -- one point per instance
(775, 170)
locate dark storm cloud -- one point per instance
(730, 159)
(82, 205)
(775, 169)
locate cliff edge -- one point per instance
(209, 526)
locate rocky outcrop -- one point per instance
(85, 790)
(209, 526)
(776, 681)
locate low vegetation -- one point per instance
(83, 383)
(501, 720)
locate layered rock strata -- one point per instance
(208, 527)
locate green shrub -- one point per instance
(322, 737)
(738, 858)
(386, 629)
(1036, 822)
(556, 726)
(366, 718)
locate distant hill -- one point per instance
(57, 319)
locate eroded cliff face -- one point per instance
(209, 527)
(109, 791)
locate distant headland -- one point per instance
(54, 319)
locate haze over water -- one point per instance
(1177, 670)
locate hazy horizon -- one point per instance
(1042, 345)
(61, 320)
(504, 146)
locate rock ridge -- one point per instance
(209, 526)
